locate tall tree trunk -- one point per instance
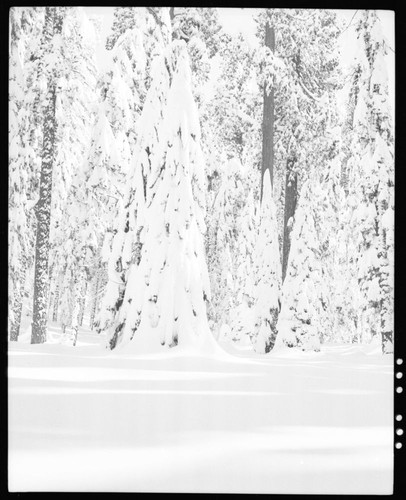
(18, 298)
(56, 297)
(268, 118)
(290, 207)
(83, 304)
(95, 299)
(386, 303)
(53, 25)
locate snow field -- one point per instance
(85, 419)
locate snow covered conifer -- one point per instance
(371, 172)
(50, 58)
(222, 234)
(126, 237)
(267, 273)
(25, 25)
(298, 320)
(170, 286)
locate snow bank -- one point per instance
(86, 419)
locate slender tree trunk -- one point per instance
(83, 305)
(43, 212)
(386, 303)
(268, 117)
(52, 288)
(290, 208)
(56, 297)
(53, 25)
(95, 299)
(18, 298)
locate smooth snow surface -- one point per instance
(85, 419)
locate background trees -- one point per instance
(92, 153)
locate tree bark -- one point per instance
(53, 25)
(386, 303)
(18, 298)
(56, 297)
(83, 305)
(95, 299)
(290, 208)
(268, 118)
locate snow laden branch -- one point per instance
(271, 68)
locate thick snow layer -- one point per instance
(85, 419)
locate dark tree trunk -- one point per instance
(268, 117)
(290, 207)
(53, 25)
(18, 298)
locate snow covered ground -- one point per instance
(84, 419)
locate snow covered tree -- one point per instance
(25, 24)
(267, 271)
(231, 122)
(125, 244)
(234, 113)
(170, 285)
(222, 234)
(243, 314)
(50, 60)
(123, 86)
(302, 71)
(371, 181)
(298, 320)
(73, 234)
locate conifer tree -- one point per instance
(267, 273)
(125, 244)
(224, 215)
(25, 24)
(371, 175)
(73, 232)
(170, 285)
(298, 321)
(49, 59)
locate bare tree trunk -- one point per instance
(290, 208)
(268, 117)
(53, 25)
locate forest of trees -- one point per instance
(261, 212)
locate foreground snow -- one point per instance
(83, 419)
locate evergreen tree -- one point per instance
(371, 175)
(299, 317)
(302, 71)
(49, 58)
(25, 24)
(125, 244)
(170, 285)
(267, 273)
(222, 233)
(73, 232)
